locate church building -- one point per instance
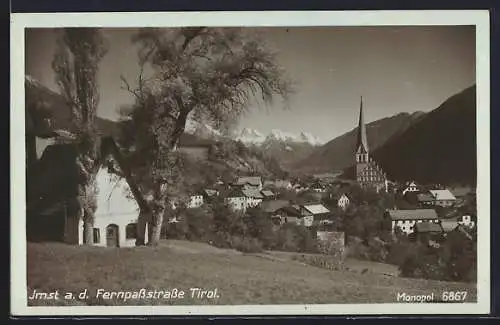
(368, 173)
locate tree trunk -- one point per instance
(88, 228)
(141, 228)
(156, 225)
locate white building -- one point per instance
(116, 217)
(236, 200)
(314, 213)
(195, 201)
(343, 202)
(443, 198)
(466, 221)
(253, 197)
(405, 220)
(410, 187)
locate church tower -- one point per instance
(368, 172)
(362, 151)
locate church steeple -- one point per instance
(362, 143)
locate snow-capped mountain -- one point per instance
(249, 136)
(252, 136)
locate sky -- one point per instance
(395, 68)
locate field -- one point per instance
(266, 278)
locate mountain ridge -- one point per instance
(338, 153)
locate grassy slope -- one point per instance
(240, 278)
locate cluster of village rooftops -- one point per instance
(117, 214)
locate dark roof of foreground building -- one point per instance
(423, 227)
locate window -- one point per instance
(131, 231)
(97, 235)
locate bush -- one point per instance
(453, 260)
(286, 239)
(246, 244)
(260, 226)
(197, 223)
(178, 230)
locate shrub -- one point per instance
(286, 239)
(197, 222)
(454, 260)
(246, 244)
(178, 230)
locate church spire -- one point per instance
(362, 143)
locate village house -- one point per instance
(210, 194)
(466, 221)
(236, 200)
(428, 228)
(195, 201)
(443, 198)
(253, 197)
(293, 214)
(52, 178)
(410, 187)
(117, 214)
(318, 211)
(318, 187)
(271, 208)
(427, 232)
(268, 195)
(405, 220)
(343, 202)
(425, 199)
(117, 221)
(453, 222)
(253, 182)
(298, 188)
(449, 224)
(190, 202)
(278, 184)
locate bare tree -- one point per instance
(204, 74)
(76, 63)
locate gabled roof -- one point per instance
(442, 195)
(428, 227)
(210, 192)
(251, 180)
(291, 211)
(417, 214)
(425, 197)
(235, 192)
(316, 208)
(343, 195)
(252, 193)
(274, 205)
(267, 193)
(449, 224)
(56, 177)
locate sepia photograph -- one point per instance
(230, 167)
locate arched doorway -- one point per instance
(112, 236)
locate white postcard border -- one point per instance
(19, 21)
